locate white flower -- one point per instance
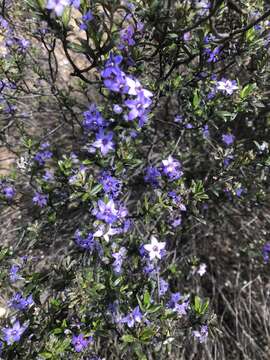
(105, 232)
(227, 86)
(155, 248)
(202, 269)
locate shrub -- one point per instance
(159, 128)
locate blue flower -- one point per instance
(213, 55)
(9, 192)
(119, 257)
(18, 302)
(13, 273)
(152, 176)
(172, 168)
(14, 333)
(132, 317)
(109, 212)
(57, 5)
(163, 287)
(110, 184)
(40, 199)
(80, 342)
(202, 334)
(228, 139)
(266, 252)
(104, 142)
(93, 119)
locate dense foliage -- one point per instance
(140, 135)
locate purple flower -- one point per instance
(152, 176)
(93, 119)
(126, 36)
(163, 287)
(119, 257)
(104, 142)
(137, 106)
(203, 6)
(265, 252)
(114, 78)
(48, 176)
(175, 297)
(18, 302)
(176, 222)
(173, 304)
(202, 334)
(111, 185)
(23, 44)
(178, 119)
(211, 94)
(172, 168)
(133, 317)
(14, 333)
(208, 38)
(4, 23)
(106, 211)
(9, 192)
(239, 191)
(40, 199)
(80, 342)
(13, 273)
(228, 159)
(86, 243)
(149, 268)
(213, 56)
(181, 309)
(75, 3)
(86, 18)
(117, 109)
(228, 139)
(42, 156)
(205, 131)
(58, 6)
(177, 200)
(187, 36)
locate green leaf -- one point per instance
(146, 299)
(147, 334)
(226, 115)
(198, 190)
(154, 308)
(251, 34)
(247, 90)
(197, 304)
(57, 331)
(196, 99)
(66, 16)
(128, 338)
(3, 253)
(96, 189)
(200, 306)
(46, 355)
(76, 47)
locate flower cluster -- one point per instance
(156, 131)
